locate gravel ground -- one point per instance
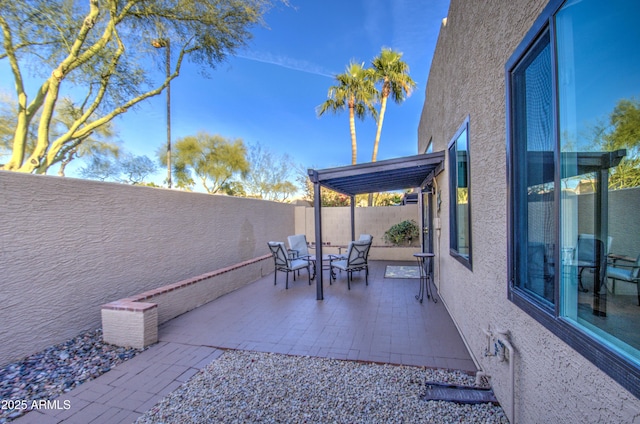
(57, 370)
(251, 387)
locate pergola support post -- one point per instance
(601, 232)
(317, 204)
(353, 217)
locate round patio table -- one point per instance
(424, 264)
(326, 265)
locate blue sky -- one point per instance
(269, 91)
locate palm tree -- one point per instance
(355, 90)
(393, 73)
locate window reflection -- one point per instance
(460, 212)
(599, 119)
(534, 179)
(463, 194)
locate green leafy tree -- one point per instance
(355, 90)
(212, 159)
(625, 120)
(125, 168)
(234, 188)
(331, 198)
(7, 124)
(625, 134)
(135, 169)
(619, 130)
(269, 176)
(305, 185)
(98, 50)
(100, 168)
(97, 143)
(387, 199)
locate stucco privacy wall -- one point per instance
(553, 383)
(624, 233)
(68, 246)
(336, 227)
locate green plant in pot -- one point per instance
(402, 233)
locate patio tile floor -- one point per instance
(382, 322)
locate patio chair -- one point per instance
(298, 249)
(629, 273)
(356, 260)
(363, 237)
(284, 263)
(298, 246)
(587, 255)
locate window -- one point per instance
(534, 200)
(573, 98)
(429, 148)
(460, 199)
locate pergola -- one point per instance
(393, 174)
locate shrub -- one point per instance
(402, 233)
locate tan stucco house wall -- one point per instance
(552, 382)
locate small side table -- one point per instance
(424, 263)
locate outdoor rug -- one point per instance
(395, 271)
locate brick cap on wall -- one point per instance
(136, 303)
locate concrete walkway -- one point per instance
(382, 322)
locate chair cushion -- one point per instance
(625, 274)
(299, 263)
(298, 243)
(340, 265)
(343, 265)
